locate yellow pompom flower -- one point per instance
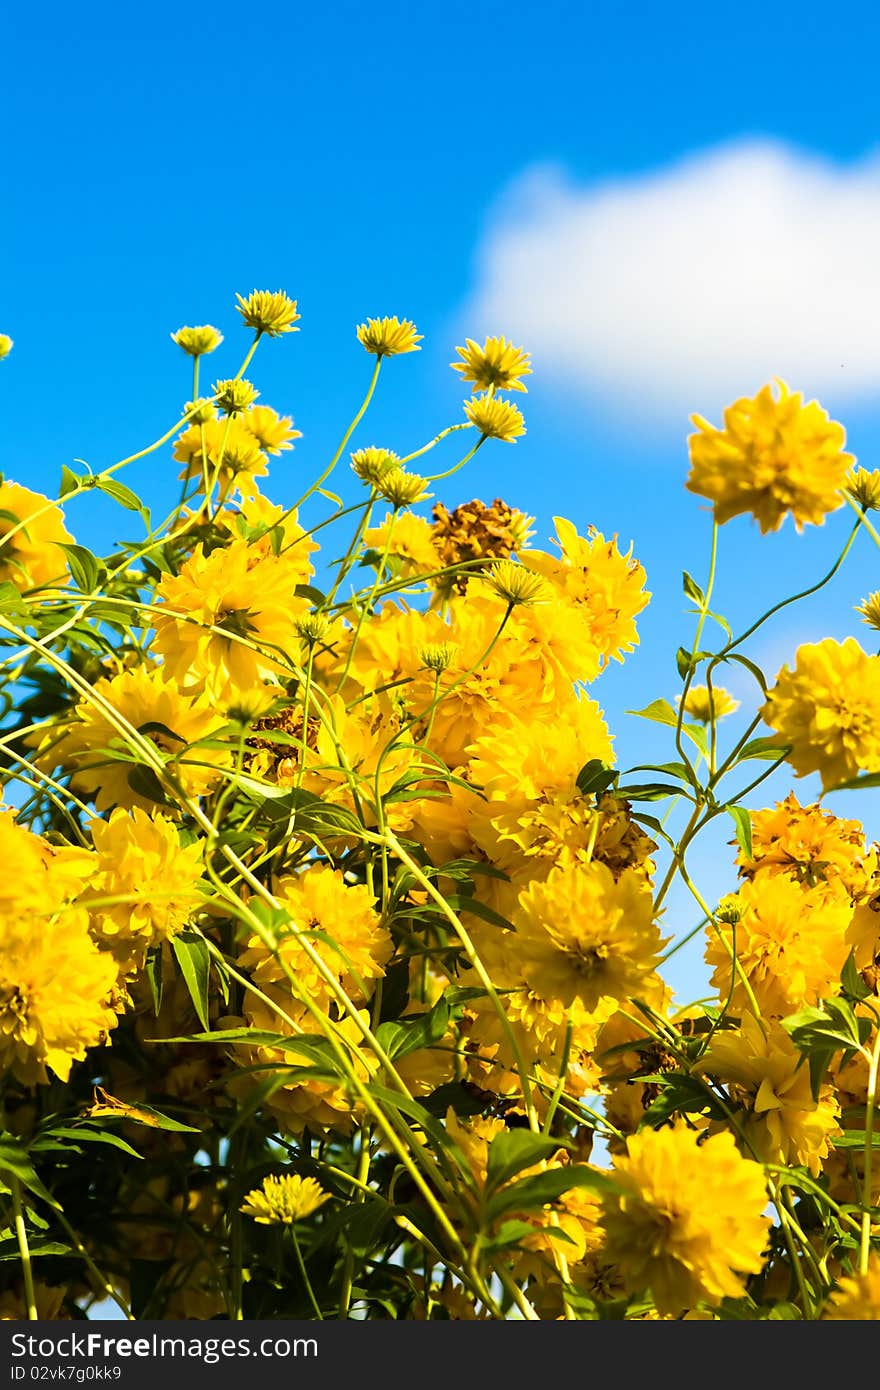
(268, 312)
(808, 844)
(280, 1201)
(789, 942)
(31, 557)
(6, 345)
(775, 455)
(401, 488)
(585, 935)
(857, 1296)
(198, 341)
(175, 722)
(688, 1223)
(828, 709)
(226, 450)
(389, 337)
(497, 364)
(706, 705)
(234, 395)
(408, 538)
(142, 862)
(782, 1121)
(495, 418)
(219, 618)
(864, 488)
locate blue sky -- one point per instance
(442, 163)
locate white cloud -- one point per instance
(682, 289)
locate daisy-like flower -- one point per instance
(584, 935)
(402, 488)
(370, 464)
(774, 456)
(864, 488)
(199, 412)
(870, 610)
(389, 337)
(857, 1296)
(705, 705)
(495, 418)
(198, 341)
(280, 1201)
(688, 1223)
(32, 556)
(517, 585)
(807, 844)
(265, 312)
(234, 395)
(273, 432)
(5, 345)
(828, 709)
(497, 364)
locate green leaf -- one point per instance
(11, 600)
(743, 825)
(461, 1097)
(662, 712)
(692, 589)
(81, 1134)
(9, 1249)
(767, 749)
(870, 779)
(70, 482)
(153, 972)
(124, 496)
(409, 1034)
(86, 570)
(683, 661)
(595, 777)
(144, 782)
(513, 1150)
(15, 1165)
(649, 791)
(194, 959)
(854, 986)
(540, 1188)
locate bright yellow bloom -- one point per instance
(517, 585)
(864, 488)
(273, 432)
(272, 314)
(142, 862)
(783, 1122)
(32, 556)
(6, 345)
(605, 586)
(389, 336)
(280, 1201)
(199, 411)
(775, 455)
(234, 395)
(688, 1225)
(401, 488)
(235, 605)
(232, 454)
(408, 539)
(496, 364)
(174, 722)
(789, 941)
(870, 610)
(857, 1296)
(584, 935)
(272, 530)
(828, 709)
(495, 418)
(370, 464)
(807, 843)
(706, 705)
(339, 921)
(198, 341)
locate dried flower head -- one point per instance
(198, 341)
(370, 464)
(265, 312)
(402, 489)
(389, 337)
(234, 395)
(280, 1201)
(497, 364)
(495, 418)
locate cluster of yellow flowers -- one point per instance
(358, 869)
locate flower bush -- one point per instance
(333, 938)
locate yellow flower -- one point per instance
(789, 942)
(857, 1296)
(864, 488)
(775, 455)
(273, 432)
(584, 935)
(870, 610)
(605, 586)
(370, 464)
(271, 530)
(497, 364)
(828, 709)
(142, 862)
(705, 705)
(688, 1223)
(6, 345)
(409, 540)
(147, 700)
(401, 488)
(232, 454)
(272, 314)
(389, 337)
(198, 341)
(200, 411)
(495, 418)
(807, 843)
(782, 1122)
(280, 1201)
(234, 395)
(31, 557)
(517, 585)
(234, 605)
